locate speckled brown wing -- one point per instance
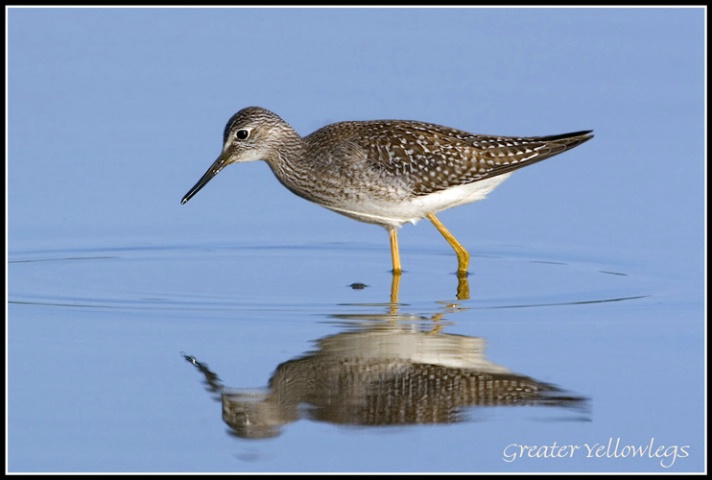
(431, 158)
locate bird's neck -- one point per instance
(289, 162)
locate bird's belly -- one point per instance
(392, 212)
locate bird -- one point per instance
(384, 172)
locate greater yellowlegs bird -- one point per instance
(385, 172)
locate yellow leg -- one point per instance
(463, 258)
(395, 255)
(395, 287)
(463, 287)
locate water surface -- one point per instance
(205, 358)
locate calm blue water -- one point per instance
(98, 340)
(250, 331)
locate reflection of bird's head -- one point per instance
(255, 415)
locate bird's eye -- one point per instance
(242, 134)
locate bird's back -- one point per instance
(428, 158)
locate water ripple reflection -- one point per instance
(207, 277)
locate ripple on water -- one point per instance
(229, 277)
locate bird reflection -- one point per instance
(382, 369)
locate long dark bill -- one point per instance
(214, 169)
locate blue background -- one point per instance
(113, 114)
